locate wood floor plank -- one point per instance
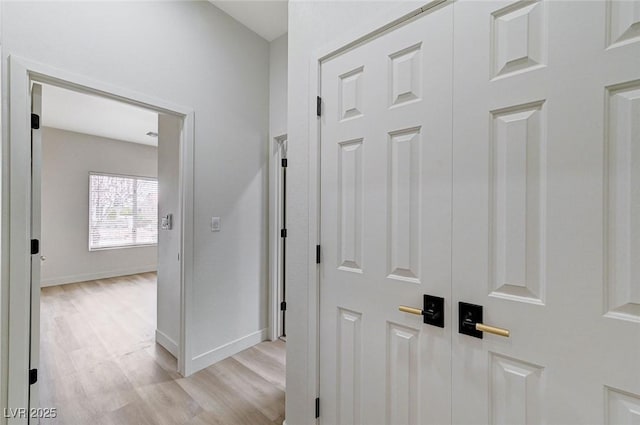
(100, 364)
(227, 403)
(268, 367)
(134, 412)
(251, 386)
(276, 349)
(167, 403)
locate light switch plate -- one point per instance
(215, 224)
(167, 222)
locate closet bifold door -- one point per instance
(546, 234)
(385, 348)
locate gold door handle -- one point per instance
(470, 317)
(410, 310)
(492, 330)
(432, 313)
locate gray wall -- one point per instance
(278, 50)
(190, 54)
(67, 159)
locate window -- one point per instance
(123, 211)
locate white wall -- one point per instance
(190, 54)
(168, 301)
(313, 26)
(67, 159)
(278, 50)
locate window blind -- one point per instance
(123, 211)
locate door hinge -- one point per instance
(284, 162)
(317, 254)
(33, 376)
(317, 407)
(283, 306)
(35, 246)
(319, 106)
(35, 121)
(283, 233)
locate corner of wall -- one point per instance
(166, 342)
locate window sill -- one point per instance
(110, 248)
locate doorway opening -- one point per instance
(278, 231)
(24, 246)
(106, 280)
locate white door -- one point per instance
(281, 247)
(169, 233)
(36, 165)
(385, 226)
(546, 211)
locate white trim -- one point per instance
(84, 277)
(229, 349)
(275, 241)
(169, 344)
(4, 258)
(313, 352)
(403, 13)
(16, 218)
(18, 199)
(371, 29)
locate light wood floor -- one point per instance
(100, 364)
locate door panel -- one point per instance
(36, 166)
(386, 197)
(543, 210)
(169, 243)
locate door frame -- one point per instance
(16, 218)
(400, 15)
(275, 241)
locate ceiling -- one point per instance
(267, 18)
(98, 116)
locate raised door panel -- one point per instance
(518, 147)
(622, 408)
(518, 38)
(403, 205)
(350, 198)
(403, 383)
(622, 287)
(623, 22)
(515, 391)
(348, 395)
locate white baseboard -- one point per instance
(169, 344)
(61, 280)
(227, 350)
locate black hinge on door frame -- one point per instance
(283, 233)
(319, 106)
(283, 306)
(33, 376)
(35, 246)
(35, 121)
(317, 254)
(284, 162)
(317, 407)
